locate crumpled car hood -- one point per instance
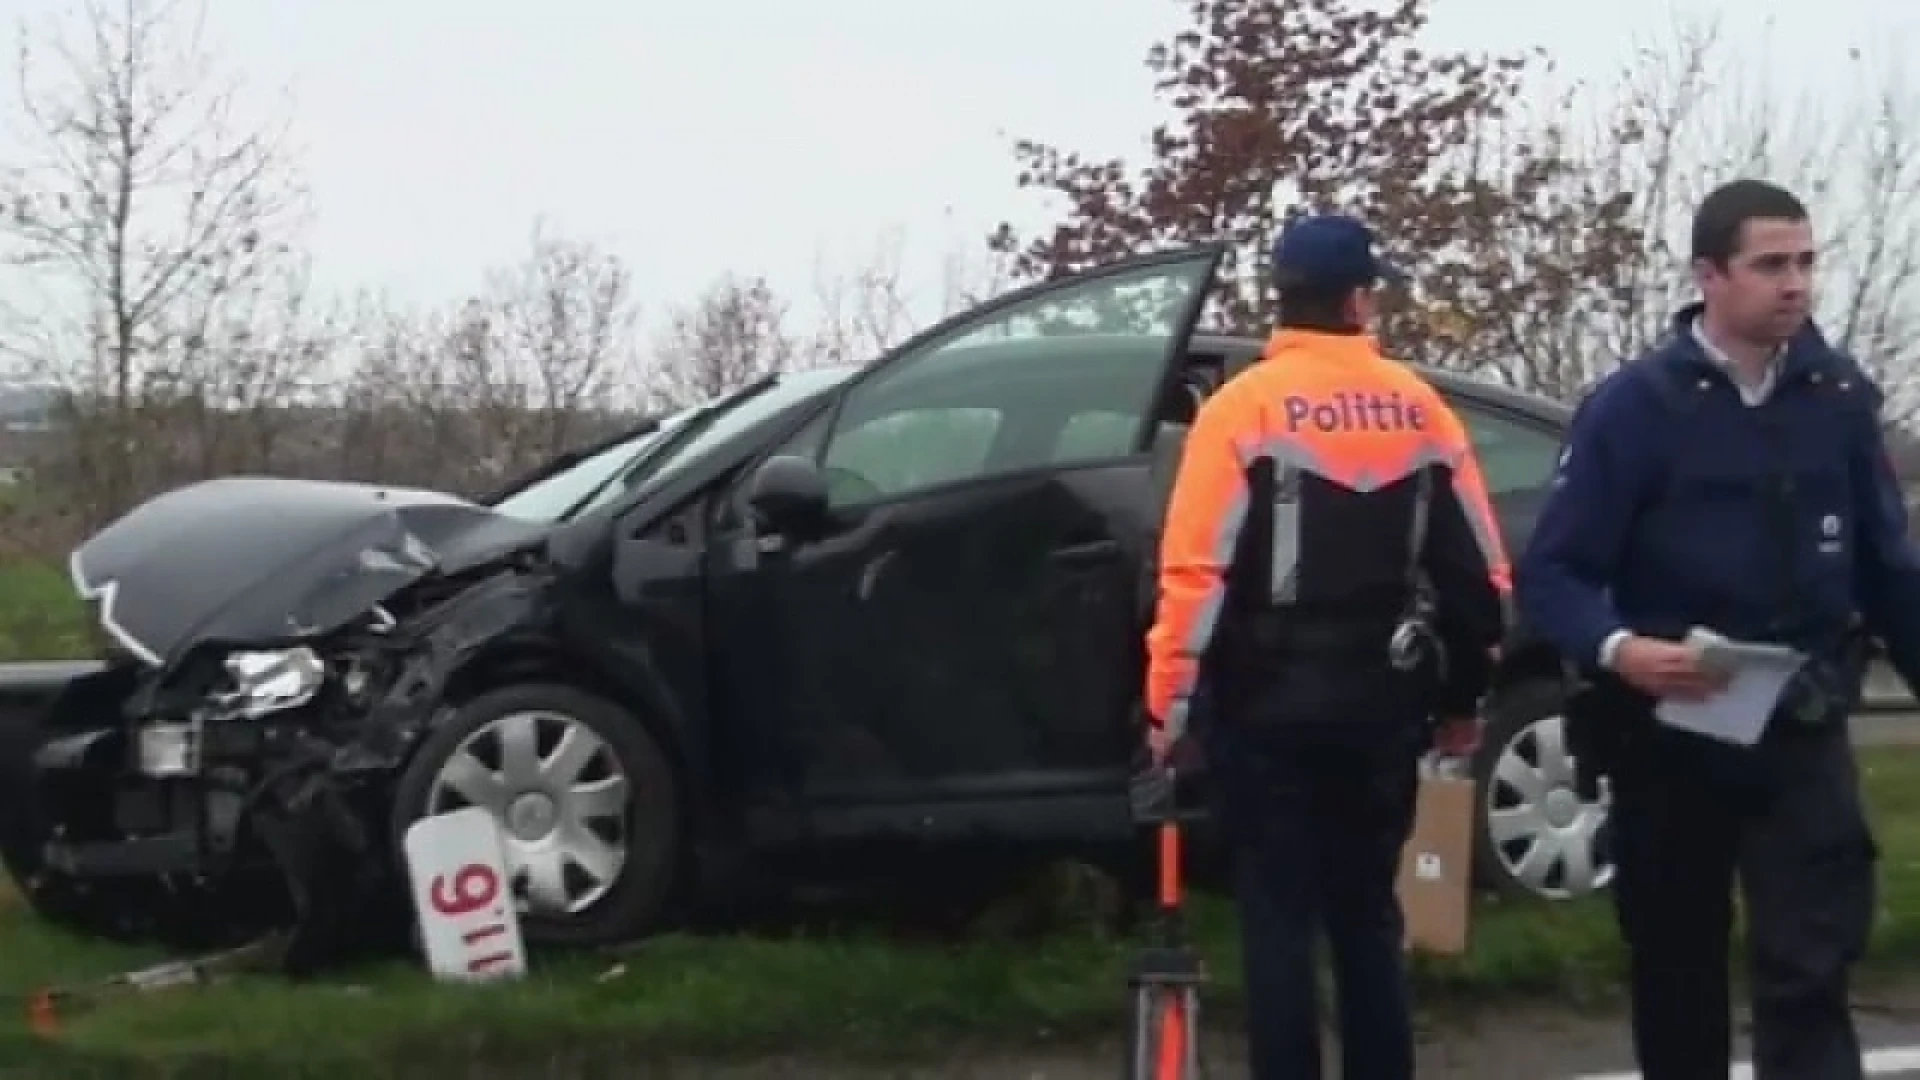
(266, 561)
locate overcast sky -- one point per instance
(754, 135)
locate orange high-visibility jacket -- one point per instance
(1326, 438)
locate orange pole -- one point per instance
(1173, 1042)
(1169, 865)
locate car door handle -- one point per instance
(1093, 551)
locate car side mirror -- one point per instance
(789, 493)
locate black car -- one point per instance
(835, 621)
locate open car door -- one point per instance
(952, 642)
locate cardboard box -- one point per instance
(1435, 884)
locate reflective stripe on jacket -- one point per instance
(1321, 418)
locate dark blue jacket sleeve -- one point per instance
(1561, 583)
(1887, 571)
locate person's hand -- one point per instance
(1158, 745)
(1665, 669)
(1154, 784)
(1457, 736)
(1152, 791)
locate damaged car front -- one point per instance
(297, 670)
(276, 647)
(272, 649)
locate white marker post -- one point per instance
(462, 902)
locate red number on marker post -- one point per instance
(481, 963)
(475, 937)
(473, 887)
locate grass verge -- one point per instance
(853, 996)
(41, 618)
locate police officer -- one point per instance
(1734, 478)
(1330, 558)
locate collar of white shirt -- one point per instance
(1750, 393)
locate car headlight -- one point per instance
(272, 681)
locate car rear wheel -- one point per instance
(1534, 835)
(585, 799)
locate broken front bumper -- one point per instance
(139, 802)
(243, 825)
(276, 788)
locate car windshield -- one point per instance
(716, 428)
(550, 497)
(605, 474)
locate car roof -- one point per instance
(1080, 360)
(1077, 357)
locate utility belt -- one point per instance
(1270, 639)
(1827, 688)
(1262, 650)
(1269, 670)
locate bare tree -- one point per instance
(734, 333)
(398, 404)
(543, 358)
(571, 318)
(870, 306)
(865, 310)
(969, 278)
(535, 360)
(1685, 114)
(145, 229)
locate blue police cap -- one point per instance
(1331, 251)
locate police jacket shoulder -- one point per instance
(1565, 577)
(1850, 378)
(1627, 411)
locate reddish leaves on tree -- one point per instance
(1285, 106)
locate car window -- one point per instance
(1514, 456)
(1096, 434)
(1009, 392)
(909, 450)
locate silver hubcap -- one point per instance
(1545, 837)
(560, 796)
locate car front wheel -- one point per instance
(584, 797)
(1535, 835)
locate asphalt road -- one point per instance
(1887, 729)
(1889, 1032)
(1538, 1044)
(1526, 1044)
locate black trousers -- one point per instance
(1689, 817)
(1316, 809)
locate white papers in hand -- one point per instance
(1757, 674)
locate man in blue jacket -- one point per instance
(1734, 478)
